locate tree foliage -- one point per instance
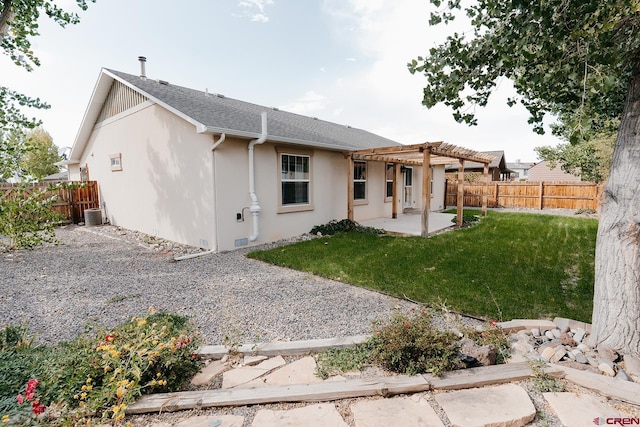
(570, 59)
(580, 62)
(12, 149)
(41, 154)
(588, 159)
(18, 25)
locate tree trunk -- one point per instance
(616, 309)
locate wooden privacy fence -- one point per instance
(530, 195)
(72, 199)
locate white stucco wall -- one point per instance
(328, 193)
(165, 187)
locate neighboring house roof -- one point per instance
(60, 176)
(520, 165)
(543, 172)
(215, 114)
(498, 162)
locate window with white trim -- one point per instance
(359, 180)
(388, 194)
(116, 162)
(295, 178)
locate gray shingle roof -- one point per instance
(231, 115)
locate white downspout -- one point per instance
(214, 196)
(255, 206)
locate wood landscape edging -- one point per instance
(334, 390)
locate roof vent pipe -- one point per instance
(142, 60)
(255, 205)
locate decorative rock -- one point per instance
(208, 373)
(571, 356)
(593, 361)
(622, 375)
(565, 339)
(579, 335)
(556, 333)
(607, 369)
(561, 323)
(607, 353)
(583, 348)
(549, 335)
(253, 360)
(580, 357)
(486, 354)
(548, 353)
(632, 367)
(535, 332)
(558, 355)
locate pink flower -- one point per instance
(407, 326)
(109, 338)
(30, 394)
(20, 399)
(494, 323)
(32, 384)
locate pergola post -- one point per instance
(394, 191)
(460, 206)
(426, 190)
(350, 187)
(485, 191)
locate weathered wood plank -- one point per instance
(485, 375)
(286, 348)
(317, 392)
(611, 387)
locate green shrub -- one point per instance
(101, 372)
(410, 344)
(345, 225)
(26, 217)
(336, 361)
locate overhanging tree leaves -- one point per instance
(579, 61)
(18, 24)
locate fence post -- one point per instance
(541, 190)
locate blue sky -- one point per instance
(339, 60)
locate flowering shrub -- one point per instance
(100, 373)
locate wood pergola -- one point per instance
(425, 155)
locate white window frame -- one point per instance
(116, 162)
(363, 181)
(388, 167)
(295, 207)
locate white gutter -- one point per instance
(255, 206)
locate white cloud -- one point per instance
(251, 6)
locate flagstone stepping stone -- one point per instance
(579, 410)
(396, 411)
(320, 415)
(301, 371)
(207, 421)
(500, 406)
(243, 375)
(209, 372)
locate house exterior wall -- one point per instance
(165, 187)
(328, 193)
(542, 172)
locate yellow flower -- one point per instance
(120, 392)
(158, 374)
(81, 403)
(89, 380)
(89, 387)
(83, 395)
(5, 418)
(154, 342)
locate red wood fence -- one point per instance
(72, 200)
(530, 195)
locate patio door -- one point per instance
(408, 187)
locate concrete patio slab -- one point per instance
(397, 411)
(320, 415)
(578, 410)
(301, 371)
(410, 224)
(238, 376)
(500, 406)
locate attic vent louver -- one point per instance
(275, 109)
(219, 95)
(163, 82)
(314, 118)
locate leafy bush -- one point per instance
(336, 361)
(345, 225)
(101, 373)
(410, 344)
(26, 218)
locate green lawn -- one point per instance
(511, 265)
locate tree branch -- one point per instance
(4, 17)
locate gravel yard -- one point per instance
(106, 275)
